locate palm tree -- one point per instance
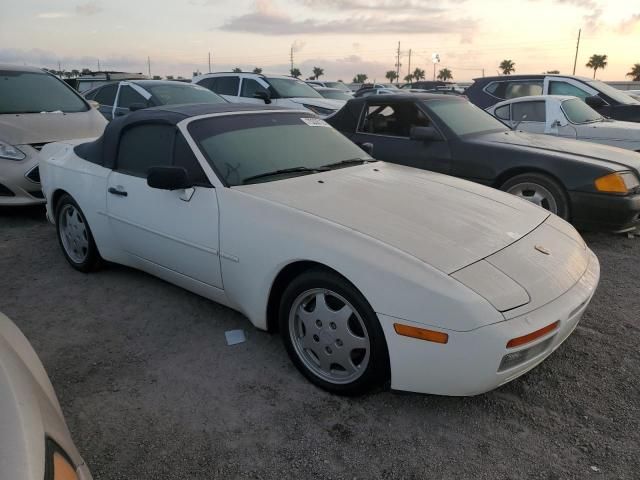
(418, 74)
(391, 75)
(360, 78)
(295, 72)
(445, 74)
(553, 72)
(408, 78)
(507, 67)
(635, 73)
(75, 72)
(257, 70)
(237, 70)
(317, 72)
(596, 62)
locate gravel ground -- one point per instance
(151, 391)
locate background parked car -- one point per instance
(334, 93)
(567, 117)
(365, 92)
(36, 108)
(278, 90)
(426, 84)
(92, 80)
(35, 443)
(338, 85)
(594, 186)
(120, 98)
(607, 100)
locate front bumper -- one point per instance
(20, 180)
(469, 364)
(598, 211)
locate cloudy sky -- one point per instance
(344, 37)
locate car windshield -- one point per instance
(35, 92)
(464, 118)
(339, 85)
(292, 87)
(178, 93)
(617, 95)
(241, 147)
(579, 112)
(335, 94)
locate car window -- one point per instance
(35, 92)
(107, 94)
(90, 95)
(579, 112)
(335, 95)
(181, 93)
(292, 87)
(393, 119)
(464, 118)
(503, 112)
(514, 89)
(250, 87)
(564, 88)
(208, 83)
(128, 96)
(144, 146)
(226, 86)
(535, 111)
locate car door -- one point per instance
(387, 126)
(106, 97)
(530, 115)
(175, 231)
(129, 94)
(249, 87)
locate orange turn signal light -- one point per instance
(614, 183)
(420, 333)
(530, 337)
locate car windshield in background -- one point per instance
(33, 92)
(339, 85)
(241, 147)
(464, 118)
(579, 112)
(617, 95)
(168, 94)
(335, 94)
(292, 88)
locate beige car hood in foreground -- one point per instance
(28, 128)
(444, 221)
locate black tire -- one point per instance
(557, 191)
(377, 371)
(91, 259)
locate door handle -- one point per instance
(115, 191)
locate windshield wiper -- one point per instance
(284, 171)
(351, 161)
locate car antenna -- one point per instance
(522, 119)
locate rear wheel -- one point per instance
(74, 236)
(332, 334)
(541, 190)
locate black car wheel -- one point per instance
(332, 334)
(74, 236)
(541, 190)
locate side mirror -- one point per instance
(168, 178)
(137, 106)
(595, 102)
(367, 147)
(263, 95)
(424, 133)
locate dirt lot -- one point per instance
(151, 391)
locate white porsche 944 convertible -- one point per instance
(372, 272)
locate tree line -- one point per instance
(596, 62)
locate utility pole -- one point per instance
(291, 58)
(575, 61)
(483, 73)
(209, 62)
(59, 68)
(98, 64)
(409, 69)
(149, 66)
(398, 63)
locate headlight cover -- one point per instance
(10, 152)
(318, 110)
(617, 182)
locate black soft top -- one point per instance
(346, 119)
(104, 149)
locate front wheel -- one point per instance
(74, 236)
(332, 334)
(541, 190)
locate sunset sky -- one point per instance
(344, 37)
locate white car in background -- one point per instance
(568, 117)
(334, 94)
(277, 215)
(277, 90)
(36, 108)
(35, 443)
(337, 85)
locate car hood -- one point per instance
(320, 102)
(446, 222)
(622, 159)
(611, 129)
(27, 128)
